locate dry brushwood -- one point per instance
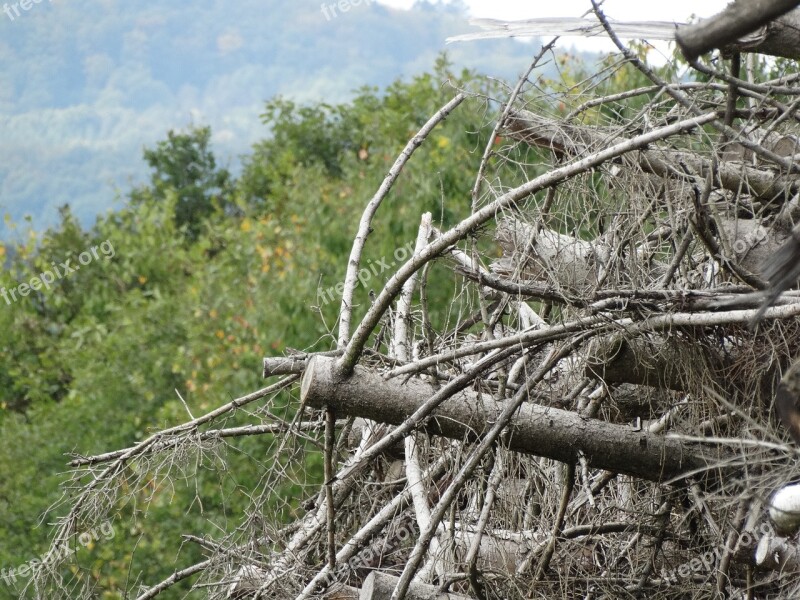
(594, 418)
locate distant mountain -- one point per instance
(84, 86)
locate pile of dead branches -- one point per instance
(601, 424)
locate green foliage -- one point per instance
(93, 363)
(184, 166)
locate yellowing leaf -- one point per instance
(220, 334)
(443, 142)
(142, 279)
(246, 225)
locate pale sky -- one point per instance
(620, 10)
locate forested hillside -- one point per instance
(202, 275)
(84, 85)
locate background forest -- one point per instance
(206, 268)
(84, 85)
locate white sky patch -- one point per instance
(620, 10)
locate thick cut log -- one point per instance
(784, 509)
(574, 140)
(738, 19)
(379, 586)
(538, 430)
(777, 553)
(778, 38)
(570, 265)
(782, 144)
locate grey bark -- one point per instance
(738, 19)
(538, 430)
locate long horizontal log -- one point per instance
(380, 586)
(538, 430)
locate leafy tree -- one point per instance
(184, 165)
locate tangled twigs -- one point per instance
(355, 346)
(106, 477)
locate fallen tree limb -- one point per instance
(779, 37)
(566, 139)
(659, 362)
(738, 19)
(537, 430)
(542, 254)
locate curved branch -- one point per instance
(364, 226)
